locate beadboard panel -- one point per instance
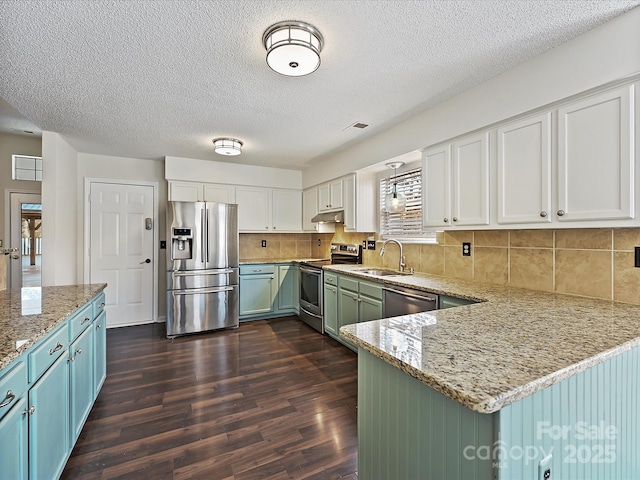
(407, 430)
(557, 420)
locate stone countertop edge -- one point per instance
(261, 261)
(512, 344)
(58, 303)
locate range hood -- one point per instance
(330, 217)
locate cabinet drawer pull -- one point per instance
(53, 350)
(98, 326)
(543, 214)
(455, 219)
(86, 319)
(257, 270)
(446, 220)
(8, 399)
(561, 213)
(102, 305)
(30, 411)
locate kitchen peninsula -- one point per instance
(52, 366)
(521, 382)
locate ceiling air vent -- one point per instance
(359, 125)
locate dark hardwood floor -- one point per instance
(272, 400)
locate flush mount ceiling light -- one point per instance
(395, 202)
(227, 146)
(293, 48)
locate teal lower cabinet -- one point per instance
(445, 301)
(586, 427)
(354, 301)
(48, 393)
(331, 309)
(49, 422)
(99, 352)
(14, 421)
(81, 383)
(268, 290)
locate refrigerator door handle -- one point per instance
(202, 291)
(206, 216)
(198, 273)
(203, 227)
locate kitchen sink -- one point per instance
(380, 272)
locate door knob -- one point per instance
(15, 256)
(148, 260)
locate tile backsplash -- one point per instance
(595, 262)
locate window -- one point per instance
(25, 167)
(407, 224)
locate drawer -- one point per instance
(47, 352)
(257, 269)
(330, 278)
(13, 384)
(373, 290)
(98, 305)
(80, 320)
(348, 283)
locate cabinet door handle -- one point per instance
(53, 350)
(8, 399)
(446, 220)
(86, 319)
(30, 411)
(102, 305)
(561, 213)
(455, 219)
(543, 214)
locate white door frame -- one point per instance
(156, 233)
(7, 223)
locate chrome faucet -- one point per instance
(403, 260)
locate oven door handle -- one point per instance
(311, 271)
(309, 313)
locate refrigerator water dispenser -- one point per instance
(181, 243)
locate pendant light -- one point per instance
(293, 48)
(227, 146)
(395, 202)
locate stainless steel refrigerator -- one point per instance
(202, 258)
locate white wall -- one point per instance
(189, 169)
(606, 53)
(59, 212)
(128, 169)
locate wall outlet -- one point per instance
(319, 242)
(364, 244)
(371, 244)
(264, 243)
(163, 244)
(466, 249)
(544, 468)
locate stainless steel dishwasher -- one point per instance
(403, 301)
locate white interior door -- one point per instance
(27, 255)
(121, 250)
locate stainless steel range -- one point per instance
(311, 282)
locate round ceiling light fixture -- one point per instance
(293, 48)
(227, 146)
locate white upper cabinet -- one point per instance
(330, 196)
(596, 157)
(185, 192)
(309, 208)
(201, 192)
(436, 186)
(254, 209)
(470, 174)
(286, 210)
(269, 210)
(214, 192)
(524, 171)
(359, 195)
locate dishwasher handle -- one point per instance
(410, 295)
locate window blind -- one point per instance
(409, 222)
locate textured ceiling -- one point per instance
(147, 79)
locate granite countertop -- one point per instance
(27, 315)
(488, 355)
(251, 261)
